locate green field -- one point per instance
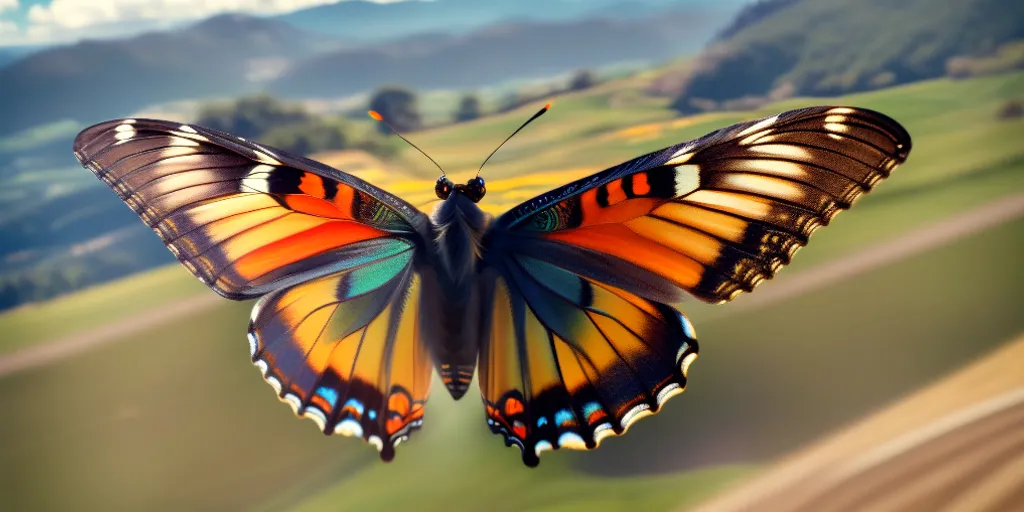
(177, 418)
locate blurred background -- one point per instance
(125, 384)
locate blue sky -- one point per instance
(31, 22)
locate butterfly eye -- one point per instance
(475, 189)
(443, 187)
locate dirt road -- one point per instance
(955, 446)
(883, 253)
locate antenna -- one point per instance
(528, 121)
(376, 116)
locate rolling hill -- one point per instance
(510, 50)
(222, 55)
(829, 47)
(372, 21)
(229, 55)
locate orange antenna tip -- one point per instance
(376, 115)
(547, 106)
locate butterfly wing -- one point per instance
(344, 350)
(244, 218)
(718, 215)
(583, 342)
(331, 255)
(571, 360)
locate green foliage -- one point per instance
(583, 79)
(1008, 57)
(251, 116)
(830, 47)
(290, 127)
(309, 136)
(398, 106)
(1011, 110)
(469, 108)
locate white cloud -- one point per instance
(8, 5)
(69, 20)
(6, 28)
(84, 13)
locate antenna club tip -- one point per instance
(376, 115)
(547, 106)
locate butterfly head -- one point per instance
(474, 189)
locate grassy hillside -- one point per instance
(835, 46)
(177, 416)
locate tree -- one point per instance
(583, 79)
(398, 106)
(303, 138)
(251, 116)
(469, 108)
(1011, 110)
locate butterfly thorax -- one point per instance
(453, 325)
(458, 226)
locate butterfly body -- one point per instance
(564, 307)
(453, 302)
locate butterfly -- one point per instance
(563, 304)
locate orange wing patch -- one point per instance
(235, 213)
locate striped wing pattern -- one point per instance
(343, 351)
(244, 218)
(718, 215)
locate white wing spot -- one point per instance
(256, 179)
(124, 134)
(376, 441)
(841, 110)
(680, 157)
(783, 150)
(637, 412)
(188, 129)
(687, 179)
(687, 361)
(756, 127)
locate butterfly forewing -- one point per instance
(244, 218)
(718, 215)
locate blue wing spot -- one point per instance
(563, 416)
(355, 404)
(329, 394)
(542, 421)
(687, 327)
(591, 408)
(372, 414)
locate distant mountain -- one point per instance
(9, 54)
(223, 55)
(370, 21)
(511, 50)
(827, 47)
(230, 55)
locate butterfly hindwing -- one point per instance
(344, 351)
(583, 340)
(244, 218)
(571, 360)
(720, 214)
